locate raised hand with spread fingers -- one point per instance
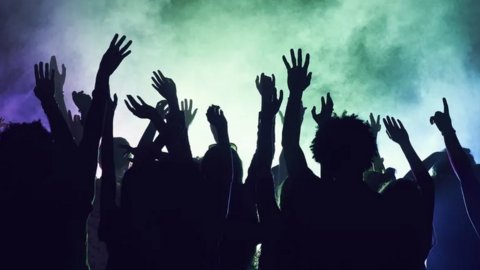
(44, 83)
(395, 131)
(114, 55)
(271, 102)
(166, 88)
(326, 111)
(375, 125)
(298, 76)
(141, 110)
(187, 109)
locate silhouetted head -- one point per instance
(211, 168)
(345, 147)
(121, 160)
(444, 168)
(27, 152)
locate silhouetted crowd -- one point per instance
(156, 206)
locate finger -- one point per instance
(40, 71)
(156, 79)
(64, 70)
(126, 54)
(432, 120)
(395, 124)
(186, 104)
(385, 123)
(194, 113)
(155, 87)
(281, 114)
(114, 40)
(37, 75)
(280, 99)
(314, 111)
(125, 48)
(307, 61)
(300, 57)
(445, 107)
(287, 65)
(292, 56)
(115, 99)
(133, 101)
(141, 100)
(372, 119)
(129, 107)
(273, 79)
(47, 71)
(161, 75)
(120, 42)
(401, 124)
(53, 63)
(190, 105)
(329, 101)
(368, 123)
(309, 78)
(378, 119)
(323, 102)
(257, 83)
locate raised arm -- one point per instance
(298, 80)
(375, 127)
(217, 119)
(93, 128)
(397, 133)
(429, 162)
(45, 92)
(59, 83)
(266, 201)
(149, 133)
(461, 164)
(176, 123)
(108, 207)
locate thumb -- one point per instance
(432, 120)
(314, 111)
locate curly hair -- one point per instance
(344, 143)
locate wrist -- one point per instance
(48, 101)
(295, 96)
(449, 132)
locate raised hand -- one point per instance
(375, 126)
(187, 107)
(142, 110)
(378, 165)
(164, 86)
(270, 102)
(298, 76)
(216, 118)
(162, 108)
(59, 77)
(75, 124)
(442, 119)
(45, 82)
(326, 112)
(2, 123)
(112, 104)
(114, 55)
(82, 101)
(395, 130)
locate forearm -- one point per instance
(148, 135)
(429, 162)
(179, 136)
(265, 146)
(59, 127)
(419, 170)
(60, 98)
(268, 210)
